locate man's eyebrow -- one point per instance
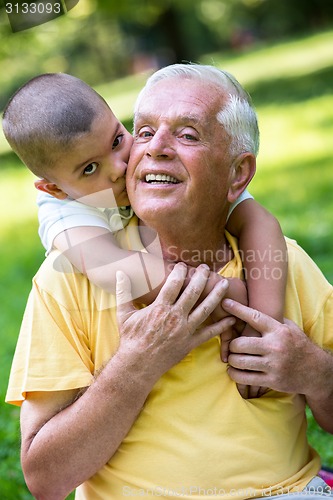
(190, 118)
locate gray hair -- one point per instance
(237, 116)
(43, 117)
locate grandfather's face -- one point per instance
(179, 166)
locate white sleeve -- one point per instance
(55, 216)
(244, 196)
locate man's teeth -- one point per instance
(161, 178)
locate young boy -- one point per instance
(67, 135)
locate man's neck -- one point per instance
(193, 248)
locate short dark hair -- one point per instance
(43, 117)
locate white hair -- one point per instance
(237, 116)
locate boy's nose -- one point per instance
(117, 169)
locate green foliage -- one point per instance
(290, 85)
(99, 40)
(20, 256)
(12, 484)
(63, 45)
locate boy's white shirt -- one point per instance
(244, 196)
(56, 216)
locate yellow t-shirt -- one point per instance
(195, 437)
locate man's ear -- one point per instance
(50, 188)
(242, 172)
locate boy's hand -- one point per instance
(250, 391)
(237, 291)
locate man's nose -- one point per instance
(161, 146)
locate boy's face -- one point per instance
(95, 161)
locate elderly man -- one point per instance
(162, 415)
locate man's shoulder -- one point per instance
(58, 281)
(300, 261)
(55, 262)
(56, 272)
(296, 254)
(294, 247)
(306, 283)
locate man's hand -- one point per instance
(163, 333)
(284, 358)
(55, 459)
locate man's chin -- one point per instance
(154, 211)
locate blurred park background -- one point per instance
(280, 50)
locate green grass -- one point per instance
(296, 161)
(20, 256)
(291, 87)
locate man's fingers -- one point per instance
(247, 345)
(247, 362)
(245, 378)
(207, 306)
(210, 331)
(257, 320)
(194, 289)
(173, 284)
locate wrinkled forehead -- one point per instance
(180, 99)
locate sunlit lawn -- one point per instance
(291, 88)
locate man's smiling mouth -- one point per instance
(160, 179)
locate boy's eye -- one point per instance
(90, 169)
(117, 141)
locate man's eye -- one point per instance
(189, 134)
(189, 137)
(117, 141)
(144, 133)
(90, 169)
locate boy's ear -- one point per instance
(50, 188)
(242, 172)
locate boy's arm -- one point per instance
(95, 252)
(264, 254)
